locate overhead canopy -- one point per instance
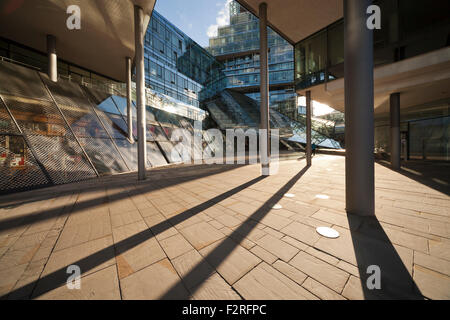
(297, 19)
(106, 36)
(420, 79)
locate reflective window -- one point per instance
(409, 28)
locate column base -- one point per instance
(265, 171)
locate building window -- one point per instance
(159, 70)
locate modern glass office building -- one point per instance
(409, 29)
(76, 128)
(237, 47)
(175, 64)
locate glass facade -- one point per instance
(409, 28)
(237, 46)
(425, 132)
(242, 34)
(175, 65)
(60, 132)
(12, 51)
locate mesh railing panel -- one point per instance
(129, 152)
(18, 167)
(119, 124)
(103, 155)
(77, 109)
(62, 157)
(94, 116)
(169, 150)
(51, 139)
(154, 155)
(113, 124)
(66, 93)
(19, 81)
(36, 117)
(6, 123)
(168, 131)
(97, 95)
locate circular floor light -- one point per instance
(277, 206)
(327, 232)
(322, 196)
(289, 195)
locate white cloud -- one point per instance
(222, 19)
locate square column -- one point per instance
(395, 130)
(264, 90)
(359, 105)
(140, 91)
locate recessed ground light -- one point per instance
(289, 195)
(327, 232)
(322, 196)
(277, 206)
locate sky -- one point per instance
(198, 19)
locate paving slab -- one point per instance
(209, 232)
(265, 283)
(231, 260)
(159, 280)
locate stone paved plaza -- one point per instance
(210, 232)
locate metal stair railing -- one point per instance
(239, 113)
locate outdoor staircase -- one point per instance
(220, 117)
(237, 110)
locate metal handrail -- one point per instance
(19, 63)
(116, 88)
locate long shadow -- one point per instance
(147, 186)
(202, 271)
(59, 277)
(373, 248)
(427, 173)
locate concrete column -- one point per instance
(264, 90)
(395, 130)
(308, 128)
(359, 104)
(129, 110)
(140, 91)
(52, 58)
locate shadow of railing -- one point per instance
(59, 277)
(435, 175)
(202, 271)
(146, 186)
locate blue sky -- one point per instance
(196, 18)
